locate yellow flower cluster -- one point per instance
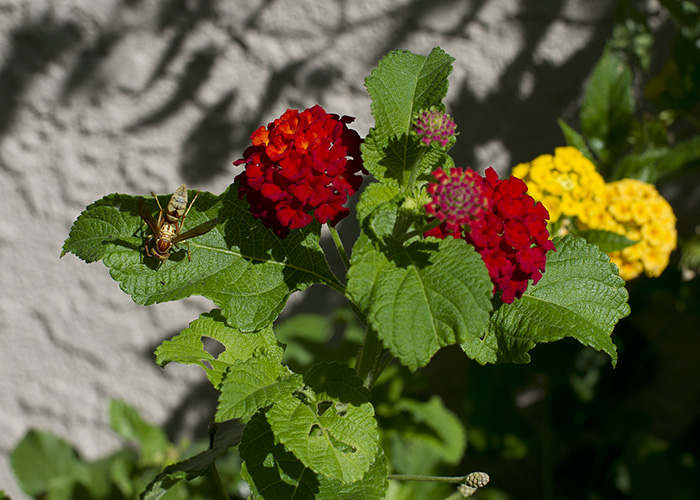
(567, 183)
(569, 186)
(637, 210)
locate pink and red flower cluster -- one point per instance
(302, 166)
(510, 234)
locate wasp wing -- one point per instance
(147, 216)
(197, 230)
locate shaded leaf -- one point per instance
(608, 107)
(152, 440)
(274, 473)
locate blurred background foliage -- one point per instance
(565, 426)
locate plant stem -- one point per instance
(367, 358)
(430, 225)
(219, 482)
(431, 479)
(339, 246)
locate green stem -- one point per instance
(367, 358)
(416, 165)
(339, 246)
(219, 482)
(430, 225)
(431, 479)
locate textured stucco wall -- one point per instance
(100, 96)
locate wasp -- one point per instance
(166, 231)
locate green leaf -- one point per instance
(310, 336)
(241, 265)
(253, 384)
(274, 473)
(45, 464)
(420, 297)
(422, 435)
(374, 195)
(607, 241)
(401, 85)
(127, 422)
(580, 295)
(333, 432)
(608, 107)
(188, 348)
(575, 140)
(226, 437)
(642, 166)
(680, 155)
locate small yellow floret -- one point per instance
(637, 210)
(562, 182)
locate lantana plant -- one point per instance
(445, 256)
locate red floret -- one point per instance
(302, 166)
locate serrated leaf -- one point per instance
(334, 434)
(253, 384)
(188, 348)
(422, 435)
(420, 297)
(608, 106)
(127, 422)
(374, 195)
(274, 473)
(240, 265)
(401, 85)
(225, 438)
(580, 295)
(575, 140)
(607, 241)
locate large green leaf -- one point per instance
(608, 107)
(607, 241)
(330, 426)
(580, 295)
(188, 348)
(576, 140)
(401, 85)
(253, 384)
(240, 265)
(274, 473)
(420, 297)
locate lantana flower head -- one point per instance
(636, 209)
(509, 230)
(435, 127)
(302, 166)
(567, 183)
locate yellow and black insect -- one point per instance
(166, 231)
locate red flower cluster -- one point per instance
(511, 235)
(300, 167)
